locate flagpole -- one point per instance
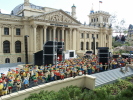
(99, 6)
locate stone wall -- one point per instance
(87, 81)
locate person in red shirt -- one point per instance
(58, 75)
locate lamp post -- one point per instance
(26, 49)
(94, 44)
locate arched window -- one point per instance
(82, 45)
(91, 20)
(87, 45)
(18, 47)
(6, 47)
(7, 60)
(97, 19)
(19, 59)
(103, 20)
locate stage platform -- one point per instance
(111, 76)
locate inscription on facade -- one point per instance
(59, 25)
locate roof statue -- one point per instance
(74, 6)
(26, 2)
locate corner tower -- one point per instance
(99, 18)
(73, 13)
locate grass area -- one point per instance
(120, 90)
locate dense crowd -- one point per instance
(22, 77)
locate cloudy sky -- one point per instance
(123, 8)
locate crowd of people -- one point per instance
(27, 74)
(120, 38)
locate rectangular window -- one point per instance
(97, 36)
(87, 36)
(106, 37)
(82, 35)
(92, 35)
(6, 31)
(17, 31)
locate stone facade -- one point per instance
(42, 24)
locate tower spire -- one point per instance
(92, 10)
(73, 13)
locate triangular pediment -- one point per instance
(58, 16)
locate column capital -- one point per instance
(70, 29)
(13, 26)
(34, 26)
(62, 28)
(45, 26)
(54, 27)
(1, 25)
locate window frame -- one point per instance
(7, 60)
(82, 35)
(6, 31)
(82, 45)
(18, 59)
(18, 47)
(18, 31)
(6, 47)
(87, 35)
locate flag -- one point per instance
(100, 2)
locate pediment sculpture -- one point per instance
(58, 16)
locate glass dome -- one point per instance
(21, 6)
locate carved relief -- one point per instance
(58, 16)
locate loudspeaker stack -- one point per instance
(103, 55)
(50, 53)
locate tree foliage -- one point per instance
(120, 90)
(119, 25)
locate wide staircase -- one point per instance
(110, 76)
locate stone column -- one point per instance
(74, 39)
(62, 38)
(58, 35)
(41, 38)
(84, 41)
(110, 40)
(45, 30)
(77, 40)
(101, 39)
(66, 40)
(70, 36)
(90, 40)
(104, 38)
(54, 33)
(12, 39)
(1, 39)
(50, 34)
(34, 29)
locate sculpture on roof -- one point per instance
(26, 2)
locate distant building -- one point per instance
(42, 24)
(130, 34)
